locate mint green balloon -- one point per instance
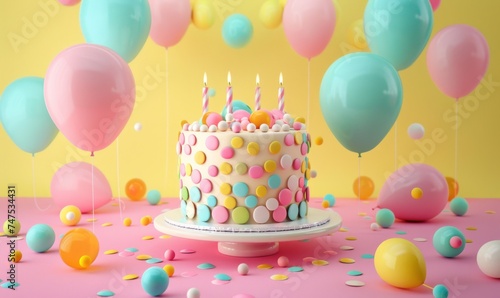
(122, 25)
(24, 115)
(398, 30)
(360, 98)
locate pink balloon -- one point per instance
(90, 94)
(169, 21)
(309, 25)
(69, 2)
(396, 193)
(457, 59)
(435, 4)
(72, 185)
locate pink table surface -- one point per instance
(45, 275)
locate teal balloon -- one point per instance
(237, 105)
(398, 30)
(24, 115)
(120, 25)
(360, 98)
(237, 31)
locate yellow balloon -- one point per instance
(202, 16)
(271, 13)
(356, 35)
(400, 263)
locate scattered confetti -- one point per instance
(188, 274)
(110, 252)
(330, 252)
(308, 259)
(148, 238)
(490, 212)
(362, 214)
(279, 277)
(219, 282)
(222, 276)
(471, 228)
(367, 256)
(92, 219)
(125, 253)
(354, 283)
(401, 232)
(346, 247)
(319, 263)
(243, 269)
(468, 241)
(420, 239)
(243, 296)
(143, 257)
(130, 277)
(187, 251)
(131, 249)
(154, 261)
(206, 266)
(295, 269)
(367, 217)
(354, 273)
(145, 220)
(165, 236)
(351, 238)
(9, 284)
(343, 230)
(264, 266)
(105, 293)
(107, 224)
(347, 261)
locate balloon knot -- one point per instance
(92, 153)
(359, 155)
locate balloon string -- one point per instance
(359, 183)
(166, 115)
(118, 176)
(92, 183)
(396, 145)
(428, 287)
(34, 183)
(308, 92)
(456, 140)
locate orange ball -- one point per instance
(367, 187)
(79, 248)
(452, 188)
(260, 117)
(135, 189)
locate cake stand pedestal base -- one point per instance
(249, 249)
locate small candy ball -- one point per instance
(416, 193)
(264, 127)
(222, 126)
(251, 127)
(260, 117)
(488, 258)
(11, 227)
(385, 218)
(236, 127)
(374, 226)
(243, 269)
(193, 293)
(70, 215)
(145, 220)
(325, 204)
(138, 126)
(276, 127)
(169, 254)
(314, 174)
(40, 238)
(285, 127)
(203, 128)
(153, 197)
(169, 269)
(440, 291)
(154, 281)
(330, 199)
(229, 117)
(283, 261)
(213, 119)
(459, 206)
(195, 126)
(18, 255)
(135, 189)
(127, 221)
(446, 243)
(297, 125)
(212, 128)
(79, 248)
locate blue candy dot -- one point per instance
(105, 293)
(440, 291)
(154, 281)
(303, 209)
(240, 189)
(385, 218)
(183, 208)
(153, 196)
(203, 212)
(274, 181)
(251, 201)
(211, 201)
(222, 276)
(131, 249)
(459, 206)
(293, 211)
(154, 260)
(195, 194)
(206, 266)
(295, 269)
(330, 198)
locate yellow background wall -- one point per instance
(143, 154)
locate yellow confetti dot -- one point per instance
(165, 236)
(318, 141)
(253, 148)
(320, 263)
(300, 119)
(107, 224)
(200, 157)
(92, 219)
(169, 269)
(226, 168)
(127, 221)
(347, 261)
(274, 147)
(471, 228)
(230, 203)
(362, 214)
(351, 238)
(279, 277)
(468, 241)
(298, 138)
(308, 259)
(110, 252)
(189, 169)
(130, 277)
(490, 212)
(115, 204)
(261, 191)
(148, 238)
(226, 188)
(264, 266)
(270, 166)
(18, 255)
(237, 142)
(145, 221)
(85, 261)
(303, 167)
(184, 122)
(417, 193)
(143, 257)
(343, 230)
(308, 174)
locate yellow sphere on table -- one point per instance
(16, 258)
(79, 248)
(169, 269)
(400, 263)
(127, 221)
(260, 117)
(70, 215)
(11, 227)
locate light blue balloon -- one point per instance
(120, 25)
(398, 30)
(237, 105)
(24, 115)
(360, 97)
(237, 30)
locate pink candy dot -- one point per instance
(297, 125)
(182, 169)
(220, 214)
(285, 196)
(279, 214)
(182, 139)
(212, 143)
(301, 182)
(236, 127)
(256, 172)
(185, 127)
(299, 195)
(213, 171)
(192, 140)
(206, 185)
(296, 164)
(455, 242)
(289, 140)
(307, 194)
(178, 148)
(293, 182)
(187, 149)
(303, 149)
(196, 176)
(213, 119)
(227, 152)
(286, 161)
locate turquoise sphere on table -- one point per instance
(40, 237)
(155, 281)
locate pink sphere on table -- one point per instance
(169, 254)
(283, 261)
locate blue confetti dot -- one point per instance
(203, 212)
(303, 209)
(105, 293)
(367, 256)
(131, 249)
(195, 194)
(293, 211)
(295, 269)
(274, 181)
(211, 201)
(240, 189)
(222, 276)
(154, 261)
(354, 273)
(251, 201)
(205, 266)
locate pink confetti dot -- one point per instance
(182, 139)
(212, 143)
(185, 127)
(256, 172)
(220, 214)
(285, 197)
(182, 169)
(279, 214)
(303, 149)
(296, 164)
(178, 148)
(227, 152)
(187, 149)
(192, 140)
(289, 140)
(299, 195)
(196, 176)
(206, 186)
(286, 161)
(301, 182)
(213, 171)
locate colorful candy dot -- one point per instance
(279, 215)
(285, 196)
(203, 213)
(293, 211)
(241, 168)
(213, 171)
(251, 201)
(272, 204)
(212, 142)
(286, 161)
(230, 203)
(274, 147)
(240, 189)
(274, 181)
(270, 166)
(212, 201)
(220, 214)
(288, 139)
(261, 191)
(169, 269)
(200, 157)
(227, 152)
(240, 215)
(226, 168)
(206, 185)
(225, 188)
(195, 194)
(253, 148)
(237, 142)
(256, 172)
(261, 214)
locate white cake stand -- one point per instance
(249, 240)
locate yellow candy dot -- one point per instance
(18, 255)
(270, 166)
(325, 204)
(260, 117)
(188, 169)
(416, 193)
(70, 215)
(347, 261)
(230, 203)
(110, 252)
(303, 167)
(298, 138)
(150, 218)
(318, 141)
(237, 142)
(131, 276)
(127, 221)
(145, 221)
(169, 269)
(85, 261)
(253, 148)
(319, 263)
(200, 157)
(275, 147)
(148, 238)
(261, 191)
(279, 277)
(308, 174)
(226, 188)
(143, 257)
(226, 168)
(264, 266)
